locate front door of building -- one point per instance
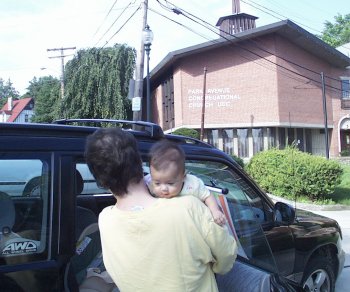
(345, 140)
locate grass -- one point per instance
(342, 192)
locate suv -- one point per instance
(48, 196)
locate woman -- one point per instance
(148, 243)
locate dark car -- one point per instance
(48, 197)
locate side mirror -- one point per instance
(284, 213)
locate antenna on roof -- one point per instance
(236, 6)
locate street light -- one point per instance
(147, 36)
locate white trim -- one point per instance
(249, 125)
(340, 121)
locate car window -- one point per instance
(90, 186)
(246, 211)
(24, 207)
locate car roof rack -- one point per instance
(153, 129)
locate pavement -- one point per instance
(340, 213)
(343, 218)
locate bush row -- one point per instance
(290, 172)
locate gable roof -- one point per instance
(345, 49)
(17, 107)
(285, 28)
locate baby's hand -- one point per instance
(219, 217)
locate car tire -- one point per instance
(319, 276)
(32, 188)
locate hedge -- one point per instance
(187, 132)
(290, 172)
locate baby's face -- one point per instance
(167, 183)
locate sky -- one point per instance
(29, 27)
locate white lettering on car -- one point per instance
(19, 247)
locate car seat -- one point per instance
(84, 216)
(85, 271)
(7, 213)
(12, 243)
(7, 220)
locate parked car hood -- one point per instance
(308, 224)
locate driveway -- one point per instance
(343, 218)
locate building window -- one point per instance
(291, 137)
(345, 88)
(243, 147)
(168, 103)
(308, 139)
(300, 139)
(228, 136)
(282, 137)
(258, 140)
(213, 137)
(26, 118)
(271, 137)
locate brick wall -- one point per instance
(246, 90)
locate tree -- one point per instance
(46, 92)
(337, 33)
(7, 90)
(96, 83)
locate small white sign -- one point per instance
(136, 104)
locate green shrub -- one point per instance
(239, 160)
(345, 152)
(290, 172)
(187, 132)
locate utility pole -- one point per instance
(62, 64)
(138, 91)
(203, 103)
(325, 116)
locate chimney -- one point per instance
(9, 103)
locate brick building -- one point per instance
(263, 89)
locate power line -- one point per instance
(184, 26)
(113, 23)
(214, 29)
(138, 8)
(178, 11)
(272, 11)
(215, 41)
(106, 43)
(115, 2)
(285, 17)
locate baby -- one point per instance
(167, 178)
